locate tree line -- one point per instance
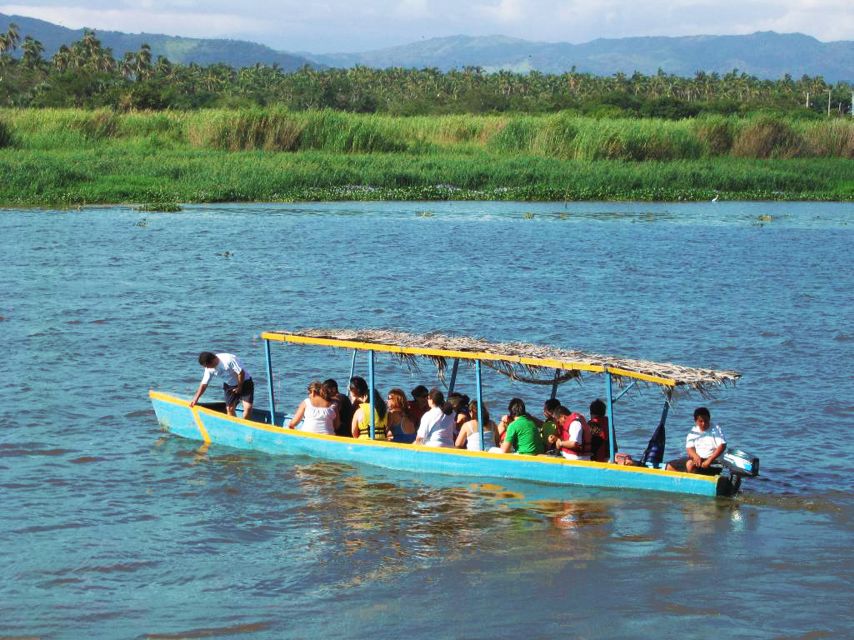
(86, 74)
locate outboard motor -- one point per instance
(740, 463)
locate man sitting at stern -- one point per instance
(704, 445)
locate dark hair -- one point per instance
(379, 404)
(597, 408)
(561, 412)
(702, 411)
(358, 386)
(551, 404)
(473, 408)
(458, 401)
(206, 358)
(331, 384)
(516, 408)
(419, 392)
(438, 400)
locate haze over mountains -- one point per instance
(765, 54)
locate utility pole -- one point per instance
(829, 91)
(807, 102)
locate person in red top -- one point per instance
(599, 447)
(573, 434)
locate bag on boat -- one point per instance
(654, 454)
(624, 459)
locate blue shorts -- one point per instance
(247, 393)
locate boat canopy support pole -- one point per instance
(453, 376)
(625, 391)
(666, 408)
(270, 382)
(609, 404)
(554, 384)
(479, 394)
(371, 388)
(352, 367)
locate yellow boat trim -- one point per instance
(466, 355)
(440, 450)
(205, 435)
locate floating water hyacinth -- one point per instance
(160, 207)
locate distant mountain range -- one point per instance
(236, 53)
(765, 54)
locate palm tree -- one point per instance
(128, 65)
(163, 67)
(33, 50)
(11, 39)
(143, 62)
(62, 59)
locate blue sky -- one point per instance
(343, 25)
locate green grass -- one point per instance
(71, 157)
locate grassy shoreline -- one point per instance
(74, 157)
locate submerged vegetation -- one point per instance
(160, 207)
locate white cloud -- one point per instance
(345, 25)
(503, 11)
(189, 23)
(412, 9)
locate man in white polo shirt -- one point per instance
(236, 381)
(705, 444)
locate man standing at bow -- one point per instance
(236, 381)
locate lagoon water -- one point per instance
(111, 529)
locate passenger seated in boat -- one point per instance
(573, 434)
(523, 434)
(361, 423)
(400, 425)
(317, 412)
(548, 428)
(469, 437)
(459, 401)
(437, 425)
(705, 444)
(418, 405)
(356, 385)
(342, 405)
(600, 450)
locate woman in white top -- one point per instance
(469, 437)
(317, 413)
(437, 425)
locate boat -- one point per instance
(529, 363)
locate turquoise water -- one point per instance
(112, 530)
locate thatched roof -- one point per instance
(532, 363)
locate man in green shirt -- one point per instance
(548, 427)
(522, 434)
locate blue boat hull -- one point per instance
(212, 426)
